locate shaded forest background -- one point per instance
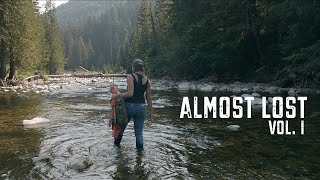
(237, 40)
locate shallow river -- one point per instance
(174, 148)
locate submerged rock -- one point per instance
(41, 159)
(81, 164)
(233, 127)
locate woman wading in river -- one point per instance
(138, 91)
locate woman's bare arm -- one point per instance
(130, 85)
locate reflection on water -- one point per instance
(17, 145)
(174, 148)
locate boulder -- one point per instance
(37, 120)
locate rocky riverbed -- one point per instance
(77, 142)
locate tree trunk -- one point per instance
(3, 69)
(12, 64)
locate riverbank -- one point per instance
(235, 87)
(52, 84)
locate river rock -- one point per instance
(256, 95)
(41, 159)
(23, 97)
(236, 90)
(193, 87)
(257, 88)
(245, 89)
(283, 90)
(246, 95)
(94, 80)
(81, 164)
(272, 89)
(223, 88)
(257, 101)
(184, 87)
(292, 92)
(37, 120)
(206, 88)
(233, 127)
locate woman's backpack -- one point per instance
(121, 114)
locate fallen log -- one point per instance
(99, 75)
(60, 76)
(32, 77)
(86, 75)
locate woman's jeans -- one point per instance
(137, 112)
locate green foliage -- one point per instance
(250, 40)
(56, 57)
(28, 40)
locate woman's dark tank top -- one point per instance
(139, 90)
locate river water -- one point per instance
(174, 148)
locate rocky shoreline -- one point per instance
(52, 84)
(236, 87)
(43, 87)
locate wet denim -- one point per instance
(137, 112)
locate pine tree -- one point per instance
(54, 40)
